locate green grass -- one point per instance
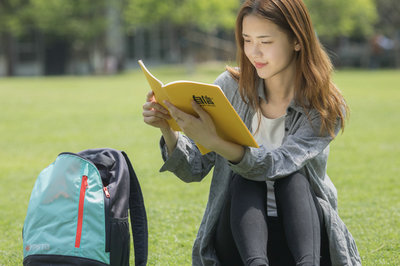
(41, 117)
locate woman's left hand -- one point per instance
(200, 129)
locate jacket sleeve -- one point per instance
(303, 145)
(186, 161)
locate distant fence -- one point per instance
(33, 55)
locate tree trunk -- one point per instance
(139, 44)
(396, 50)
(115, 38)
(9, 53)
(155, 45)
(190, 51)
(173, 50)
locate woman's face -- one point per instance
(267, 47)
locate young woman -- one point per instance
(273, 205)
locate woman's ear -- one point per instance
(297, 46)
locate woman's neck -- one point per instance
(279, 89)
(279, 92)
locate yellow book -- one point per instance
(211, 98)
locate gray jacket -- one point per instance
(303, 150)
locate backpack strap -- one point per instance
(138, 217)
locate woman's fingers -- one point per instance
(200, 129)
(150, 96)
(204, 116)
(154, 105)
(176, 113)
(152, 119)
(153, 113)
(148, 112)
(152, 109)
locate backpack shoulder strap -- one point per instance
(138, 217)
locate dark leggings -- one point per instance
(246, 236)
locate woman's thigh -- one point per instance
(301, 217)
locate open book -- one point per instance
(211, 98)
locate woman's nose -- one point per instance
(256, 50)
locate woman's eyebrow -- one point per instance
(258, 37)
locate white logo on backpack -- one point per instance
(37, 247)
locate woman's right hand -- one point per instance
(154, 114)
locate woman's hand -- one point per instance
(155, 115)
(201, 129)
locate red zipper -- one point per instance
(106, 192)
(84, 186)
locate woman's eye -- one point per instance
(246, 40)
(266, 42)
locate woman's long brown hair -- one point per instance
(314, 88)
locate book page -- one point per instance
(159, 92)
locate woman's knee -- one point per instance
(296, 188)
(288, 184)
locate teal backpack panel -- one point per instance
(66, 211)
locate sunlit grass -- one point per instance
(41, 117)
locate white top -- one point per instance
(270, 134)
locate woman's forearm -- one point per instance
(171, 138)
(229, 150)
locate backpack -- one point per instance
(78, 212)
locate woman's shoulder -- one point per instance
(228, 83)
(226, 78)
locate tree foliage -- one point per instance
(389, 19)
(81, 19)
(206, 15)
(86, 19)
(333, 18)
(15, 17)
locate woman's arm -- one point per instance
(180, 154)
(202, 130)
(156, 116)
(186, 161)
(170, 138)
(298, 148)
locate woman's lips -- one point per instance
(259, 65)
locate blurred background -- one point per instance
(85, 37)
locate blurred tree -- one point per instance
(181, 21)
(14, 21)
(389, 16)
(79, 23)
(389, 24)
(81, 19)
(205, 15)
(334, 18)
(331, 18)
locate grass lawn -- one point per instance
(41, 117)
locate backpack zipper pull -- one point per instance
(106, 192)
